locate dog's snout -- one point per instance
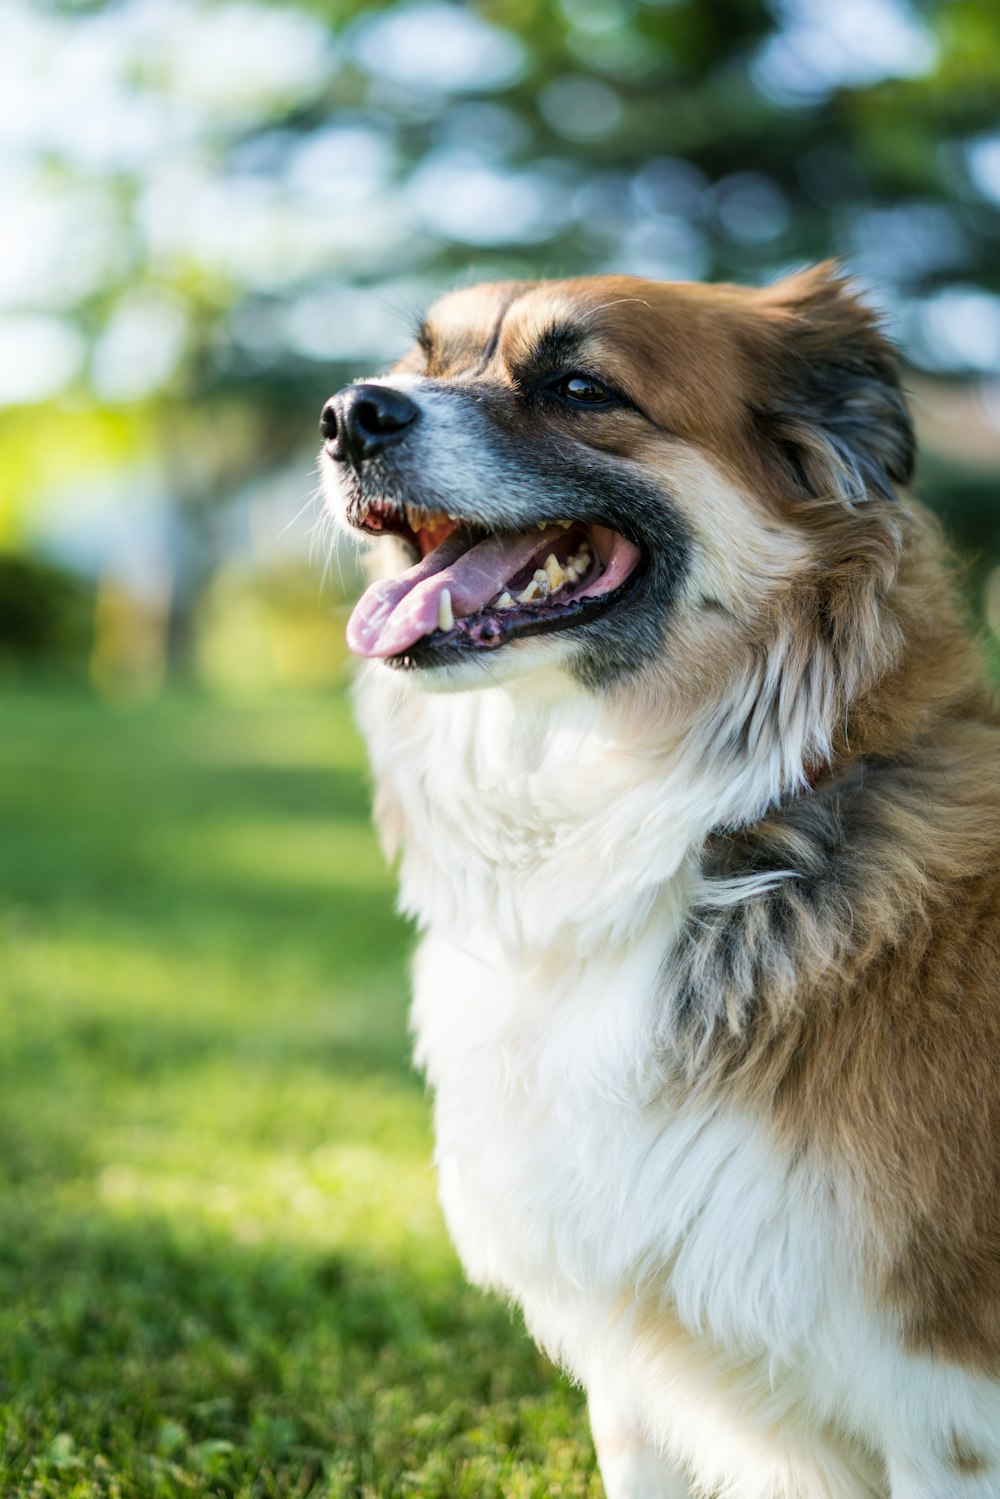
(361, 419)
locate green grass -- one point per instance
(222, 1265)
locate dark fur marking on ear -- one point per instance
(839, 424)
(842, 441)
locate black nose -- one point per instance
(362, 419)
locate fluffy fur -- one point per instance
(707, 990)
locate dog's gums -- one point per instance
(473, 591)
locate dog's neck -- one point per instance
(540, 816)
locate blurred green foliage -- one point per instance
(46, 615)
(256, 199)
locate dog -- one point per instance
(692, 770)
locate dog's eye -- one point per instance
(582, 390)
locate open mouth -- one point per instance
(472, 590)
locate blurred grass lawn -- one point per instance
(222, 1265)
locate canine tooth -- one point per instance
(445, 617)
(531, 593)
(554, 572)
(411, 517)
(504, 601)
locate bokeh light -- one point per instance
(223, 211)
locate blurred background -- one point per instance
(216, 213)
(222, 1267)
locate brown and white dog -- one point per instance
(694, 777)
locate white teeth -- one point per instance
(565, 524)
(554, 572)
(531, 593)
(445, 617)
(412, 517)
(504, 601)
(542, 579)
(543, 525)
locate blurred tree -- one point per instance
(253, 199)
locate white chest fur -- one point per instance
(565, 1162)
(550, 864)
(663, 1253)
(666, 1252)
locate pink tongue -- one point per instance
(618, 558)
(373, 610)
(393, 615)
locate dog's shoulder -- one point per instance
(853, 998)
(884, 858)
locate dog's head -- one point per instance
(579, 472)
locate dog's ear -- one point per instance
(829, 402)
